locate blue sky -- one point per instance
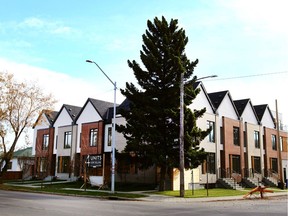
(49, 41)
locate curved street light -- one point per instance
(113, 128)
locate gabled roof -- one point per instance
(260, 110)
(241, 105)
(199, 83)
(217, 97)
(50, 115)
(104, 108)
(125, 105)
(72, 110)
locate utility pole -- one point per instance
(181, 132)
(279, 149)
(181, 137)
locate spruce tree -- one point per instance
(152, 120)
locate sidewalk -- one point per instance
(162, 198)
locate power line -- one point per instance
(247, 76)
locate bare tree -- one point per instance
(20, 104)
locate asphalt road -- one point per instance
(32, 204)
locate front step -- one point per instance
(270, 181)
(252, 182)
(229, 183)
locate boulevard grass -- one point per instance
(200, 193)
(67, 188)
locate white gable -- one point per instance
(89, 114)
(200, 102)
(248, 115)
(42, 123)
(226, 108)
(267, 120)
(63, 119)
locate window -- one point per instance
(256, 139)
(43, 164)
(274, 143)
(281, 143)
(221, 135)
(67, 139)
(209, 166)
(245, 138)
(256, 164)
(63, 164)
(211, 135)
(274, 165)
(109, 136)
(236, 136)
(45, 142)
(236, 163)
(93, 137)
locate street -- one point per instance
(32, 204)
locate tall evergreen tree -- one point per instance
(152, 120)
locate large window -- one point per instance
(67, 139)
(236, 136)
(274, 165)
(93, 137)
(211, 135)
(63, 164)
(109, 136)
(274, 143)
(236, 164)
(256, 164)
(45, 142)
(256, 139)
(209, 165)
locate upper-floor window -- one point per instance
(211, 135)
(93, 137)
(45, 142)
(236, 136)
(274, 143)
(67, 139)
(281, 143)
(109, 136)
(256, 139)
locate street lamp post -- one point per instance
(181, 132)
(113, 128)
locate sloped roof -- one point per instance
(102, 107)
(50, 115)
(241, 105)
(27, 152)
(217, 97)
(125, 105)
(72, 110)
(260, 110)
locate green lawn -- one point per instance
(215, 192)
(73, 188)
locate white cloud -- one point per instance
(47, 26)
(66, 89)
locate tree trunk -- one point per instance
(162, 178)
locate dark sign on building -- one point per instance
(95, 161)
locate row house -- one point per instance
(76, 141)
(243, 144)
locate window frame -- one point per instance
(257, 139)
(45, 142)
(211, 135)
(274, 142)
(236, 136)
(93, 137)
(67, 139)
